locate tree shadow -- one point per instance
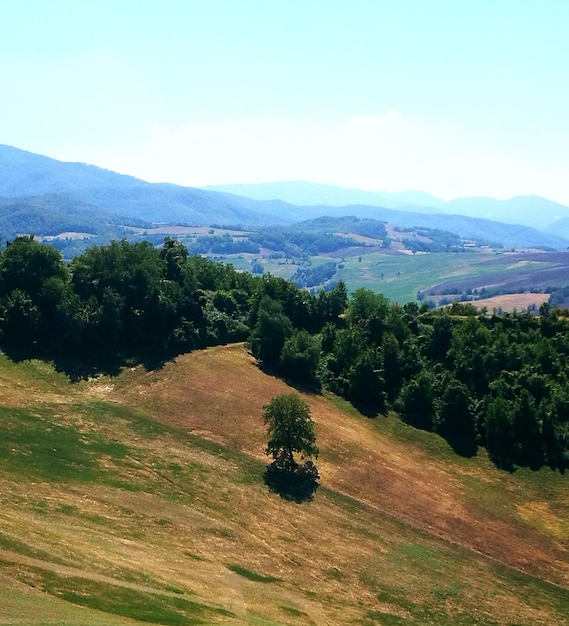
(502, 462)
(310, 387)
(88, 365)
(463, 446)
(297, 484)
(368, 409)
(77, 369)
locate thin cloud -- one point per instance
(389, 152)
(260, 150)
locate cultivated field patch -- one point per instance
(510, 302)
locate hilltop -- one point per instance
(142, 496)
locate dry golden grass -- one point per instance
(512, 302)
(220, 393)
(400, 532)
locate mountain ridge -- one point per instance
(87, 191)
(527, 210)
(304, 193)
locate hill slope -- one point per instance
(142, 497)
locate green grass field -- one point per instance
(397, 276)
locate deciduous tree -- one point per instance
(290, 430)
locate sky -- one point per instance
(450, 97)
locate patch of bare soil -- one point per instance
(219, 394)
(512, 301)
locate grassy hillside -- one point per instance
(141, 497)
(399, 263)
(401, 276)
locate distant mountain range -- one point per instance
(533, 211)
(90, 190)
(44, 196)
(315, 194)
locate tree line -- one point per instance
(125, 302)
(497, 381)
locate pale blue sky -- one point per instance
(446, 96)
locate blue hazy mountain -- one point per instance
(533, 211)
(45, 196)
(304, 193)
(24, 173)
(87, 189)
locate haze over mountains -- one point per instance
(45, 196)
(533, 211)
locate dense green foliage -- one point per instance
(290, 429)
(126, 301)
(496, 381)
(432, 240)
(312, 276)
(308, 238)
(222, 244)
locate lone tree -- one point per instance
(290, 430)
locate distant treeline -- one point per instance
(222, 244)
(313, 276)
(294, 243)
(324, 234)
(496, 381)
(432, 240)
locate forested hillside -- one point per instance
(496, 381)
